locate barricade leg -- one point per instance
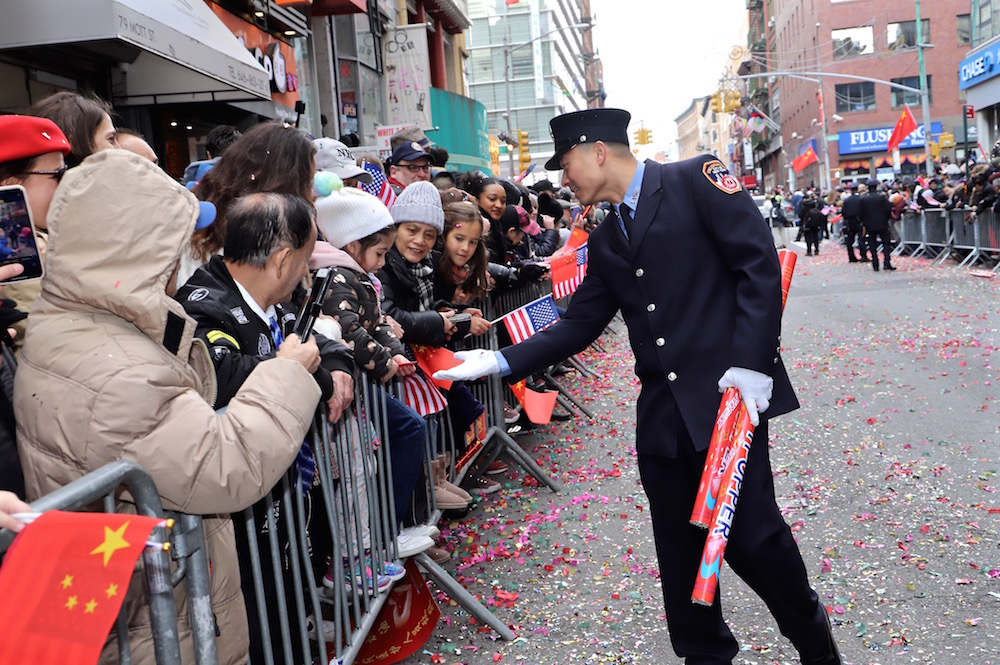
(460, 595)
(565, 393)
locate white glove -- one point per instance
(755, 389)
(474, 365)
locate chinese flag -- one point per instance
(563, 268)
(537, 406)
(431, 359)
(804, 160)
(904, 127)
(511, 2)
(577, 237)
(63, 582)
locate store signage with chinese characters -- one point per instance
(876, 139)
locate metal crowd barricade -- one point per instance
(910, 237)
(963, 237)
(935, 236)
(988, 228)
(102, 485)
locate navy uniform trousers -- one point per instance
(698, 283)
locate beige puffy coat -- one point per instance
(110, 371)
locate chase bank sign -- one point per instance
(979, 67)
(876, 139)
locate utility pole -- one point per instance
(925, 97)
(825, 180)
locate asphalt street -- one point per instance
(887, 475)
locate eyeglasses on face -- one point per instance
(417, 168)
(55, 175)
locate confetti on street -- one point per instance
(887, 476)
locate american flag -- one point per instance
(564, 282)
(421, 395)
(380, 186)
(525, 321)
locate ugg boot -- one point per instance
(441, 479)
(444, 498)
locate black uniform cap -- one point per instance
(571, 129)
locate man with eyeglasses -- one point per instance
(408, 163)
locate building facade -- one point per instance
(174, 69)
(529, 62)
(847, 122)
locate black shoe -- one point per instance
(889, 267)
(831, 653)
(851, 259)
(808, 253)
(875, 267)
(560, 417)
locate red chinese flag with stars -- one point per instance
(537, 406)
(63, 582)
(904, 127)
(804, 160)
(432, 359)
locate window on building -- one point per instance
(853, 41)
(903, 97)
(903, 35)
(855, 97)
(964, 27)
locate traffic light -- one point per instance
(716, 103)
(523, 153)
(643, 136)
(733, 101)
(935, 150)
(637, 136)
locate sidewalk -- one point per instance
(887, 474)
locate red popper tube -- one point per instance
(707, 581)
(734, 463)
(716, 458)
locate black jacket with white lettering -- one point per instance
(238, 340)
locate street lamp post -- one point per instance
(507, 51)
(924, 97)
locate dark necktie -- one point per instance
(626, 216)
(276, 332)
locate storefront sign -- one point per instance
(876, 139)
(979, 67)
(276, 57)
(407, 78)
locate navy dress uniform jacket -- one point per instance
(699, 286)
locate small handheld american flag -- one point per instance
(565, 278)
(380, 186)
(528, 319)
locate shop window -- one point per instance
(855, 97)
(903, 35)
(849, 42)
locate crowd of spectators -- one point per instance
(162, 330)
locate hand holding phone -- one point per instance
(18, 241)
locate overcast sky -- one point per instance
(660, 54)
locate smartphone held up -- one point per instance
(18, 243)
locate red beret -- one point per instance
(27, 136)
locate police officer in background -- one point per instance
(875, 212)
(695, 274)
(852, 224)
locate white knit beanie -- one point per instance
(350, 214)
(419, 202)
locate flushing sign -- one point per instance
(876, 139)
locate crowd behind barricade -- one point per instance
(164, 332)
(867, 217)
